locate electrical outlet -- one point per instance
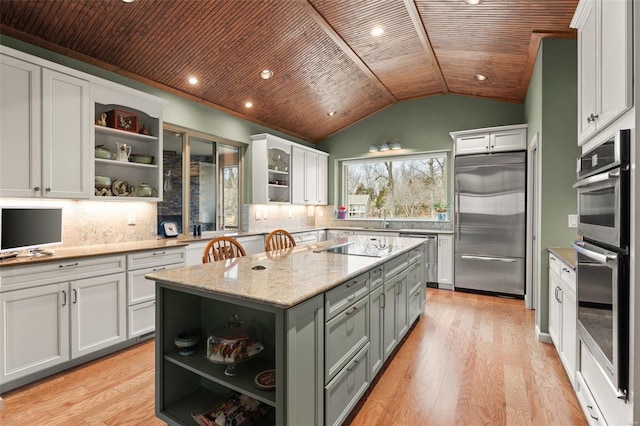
(573, 220)
(264, 215)
(131, 218)
(258, 215)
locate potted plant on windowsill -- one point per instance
(441, 209)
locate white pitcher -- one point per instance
(124, 151)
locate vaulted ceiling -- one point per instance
(321, 52)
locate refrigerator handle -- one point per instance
(457, 207)
(496, 259)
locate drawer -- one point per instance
(554, 263)
(414, 303)
(568, 276)
(415, 274)
(395, 266)
(344, 336)
(376, 277)
(141, 319)
(589, 406)
(159, 257)
(19, 277)
(140, 289)
(346, 389)
(338, 299)
(415, 254)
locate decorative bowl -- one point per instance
(120, 188)
(104, 153)
(103, 182)
(141, 158)
(144, 190)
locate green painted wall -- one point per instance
(422, 125)
(551, 110)
(178, 111)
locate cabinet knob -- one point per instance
(47, 189)
(591, 118)
(37, 188)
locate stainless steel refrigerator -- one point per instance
(490, 221)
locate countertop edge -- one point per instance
(566, 254)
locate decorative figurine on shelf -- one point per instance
(144, 130)
(102, 121)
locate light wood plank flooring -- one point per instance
(470, 360)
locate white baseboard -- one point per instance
(543, 337)
(0, 403)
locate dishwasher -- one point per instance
(431, 257)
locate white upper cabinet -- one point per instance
(488, 140)
(45, 150)
(605, 67)
(48, 150)
(286, 172)
(141, 134)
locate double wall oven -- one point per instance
(603, 256)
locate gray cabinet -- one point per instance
(346, 389)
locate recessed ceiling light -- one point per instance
(128, 1)
(248, 104)
(193, 80)
(377, 31)
(480, 77)
(473, 1)
(331, 113)
(266, 74)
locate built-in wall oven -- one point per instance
(602, 285)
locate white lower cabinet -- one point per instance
(35, 330)
(98, 314)
(445, 261)
(563, 313)
(55, 312)
(141, 293)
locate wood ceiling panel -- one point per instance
(398, 57)
(321, 51)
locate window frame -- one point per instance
(186, 156)
(341, 172)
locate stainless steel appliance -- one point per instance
(603, 192)
(603, 310)
(603, 257)
(490, 223)
(431, 256)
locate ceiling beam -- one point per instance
(328, 29)
(418, 24)
(534, 46)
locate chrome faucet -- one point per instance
(382, 210)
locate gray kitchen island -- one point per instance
(326, 318)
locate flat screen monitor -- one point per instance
(23, 228)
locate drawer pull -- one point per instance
(353, 365)
(159, 269)
(159, 253)
(384, 301)
(68, 265)
(351, 284)
(590, 408)
(351, 311)
(75, 296)
(64, 298)
(553, 258)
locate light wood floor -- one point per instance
(470, 360)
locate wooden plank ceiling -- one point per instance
(321, 52)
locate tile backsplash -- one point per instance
(98, 222)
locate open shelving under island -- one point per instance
(326, 316)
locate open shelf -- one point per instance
(125, 164)
(243, 383)
(124, 134)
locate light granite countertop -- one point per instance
(62, 254)
(567, 255)
(289, 277)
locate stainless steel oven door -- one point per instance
(602, 311)
(599, 208)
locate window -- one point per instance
(201, 181)
(406, 186)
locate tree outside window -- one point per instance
(406, 187)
